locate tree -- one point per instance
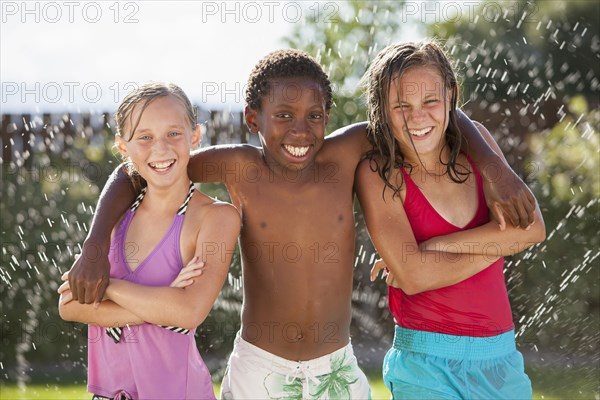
(522, 60)
(344, 37)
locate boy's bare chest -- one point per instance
(301, 213)
(300, 191)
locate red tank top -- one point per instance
(477, 306)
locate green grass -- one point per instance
(378, 391)
(78, 392)
(559, 383)
(50, 392)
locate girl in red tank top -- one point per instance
(427, 216)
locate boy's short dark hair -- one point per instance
(287, 63)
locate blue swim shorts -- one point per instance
(428, 365)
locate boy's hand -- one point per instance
(507, 195)
(66, 295)
(390, 280)
(89, 275)
(187, 273)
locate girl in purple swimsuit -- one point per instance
(141, 342)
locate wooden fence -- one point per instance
(24, 135)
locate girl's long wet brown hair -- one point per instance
(391, 63)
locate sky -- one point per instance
(85, 55)
(57, 55)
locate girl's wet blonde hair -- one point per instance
(144, 95)
(391, 63)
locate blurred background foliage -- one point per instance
(530, 73)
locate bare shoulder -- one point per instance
(230, 152)
(206, 210)
(347, 144)
(367, 168)
(364, 169)
(222, 212)
(366, 177)
(214, 163)
(248, 152)
(349, 131)
(352, 135)
(369, 185)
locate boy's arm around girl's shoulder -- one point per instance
(221, 163)
(536, 232)
(219, 227)
(89, 274)
(488, 239)
(506, 194)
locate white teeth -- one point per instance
(162, 164)
(420, 132)
(296, 151)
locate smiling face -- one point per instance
(420, 102)
(291, 122)
(159, 148)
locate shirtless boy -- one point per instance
(295, 195)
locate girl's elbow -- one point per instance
(193, 318)
(541, 236)
(195, 321)
(410, 290)
(396, 277)
(410, 285)
(190, 327)
(539, 232)
(539, 228)
(186, 322)
(199, 321)
(64, 312)
(542, 233)
(415, 280)
(414, 288)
